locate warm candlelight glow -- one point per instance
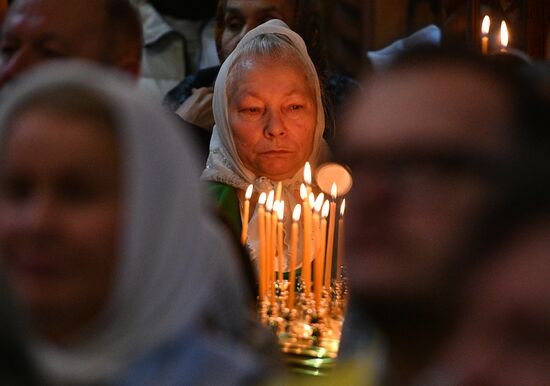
(307, 173)
(281, 210)
(486, 25)
(248, 193)
(297, 213)
(334, 190)
(326, 208)
(319, 202)
(504, 35)
(269, 202)
(262, 198)
(303, 192)
(311, 200)
(343, 207)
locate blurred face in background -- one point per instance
(35, 31)
(503, 338)
(242, 16)
(59, 199)
(416, 143)
(273, 114)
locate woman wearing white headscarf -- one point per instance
(269, 121)
(125, 276)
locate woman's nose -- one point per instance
(38, 215)
(275, 125)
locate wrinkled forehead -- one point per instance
(286, 59)
(440, 105)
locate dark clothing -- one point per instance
(203, 78)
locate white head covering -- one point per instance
(176, 267)
(223, 164)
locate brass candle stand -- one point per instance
(308, 333)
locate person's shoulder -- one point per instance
(203, 78)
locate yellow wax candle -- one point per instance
(272, 277)
(330, 236)
(341, 236)
(306, 258)
(279, 191)
(281, 251)
(261, 232)
(268, 240)
(318, 262)
(293, 253)
(246, 213)
(485, 28)
(324, 216)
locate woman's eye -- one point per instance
(295, 107)
(251, 110)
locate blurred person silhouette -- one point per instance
(192, 98)
(429, 141)
(107, 32)
(179, 39)
(501, 337)
(269, 123)
(123, 272)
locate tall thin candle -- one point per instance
(340, 260)
(268, 238)
(246, 213)
(293, 253)
(318, 262)
(280, 240)
(485, 28)
(306, 258)
(330, 236)
(261, 231)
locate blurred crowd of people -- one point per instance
(130, 130)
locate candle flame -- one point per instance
(248, 193)
(297, 212)
(334, 190)
(275, 206)
(326, 209)
(319, 202)
(262, 198)
(343, 207)
(503, 34)
(486, 25)
(281, 210)
(303, 191)
(269, 203)
(311, 200)
(307, 173)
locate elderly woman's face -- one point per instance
(273, 114)
(59, 199)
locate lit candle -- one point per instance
(340, 255)
(306, 258)
(280, 216)
(272, 276)
(504, 37)
(268, 238)
(319, 258)
(330, 235)
(324, 215)
(261, 231)
(485, 28)
(293, 253)
(246, 211)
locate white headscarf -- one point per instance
(224, 165)
(176, 267)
